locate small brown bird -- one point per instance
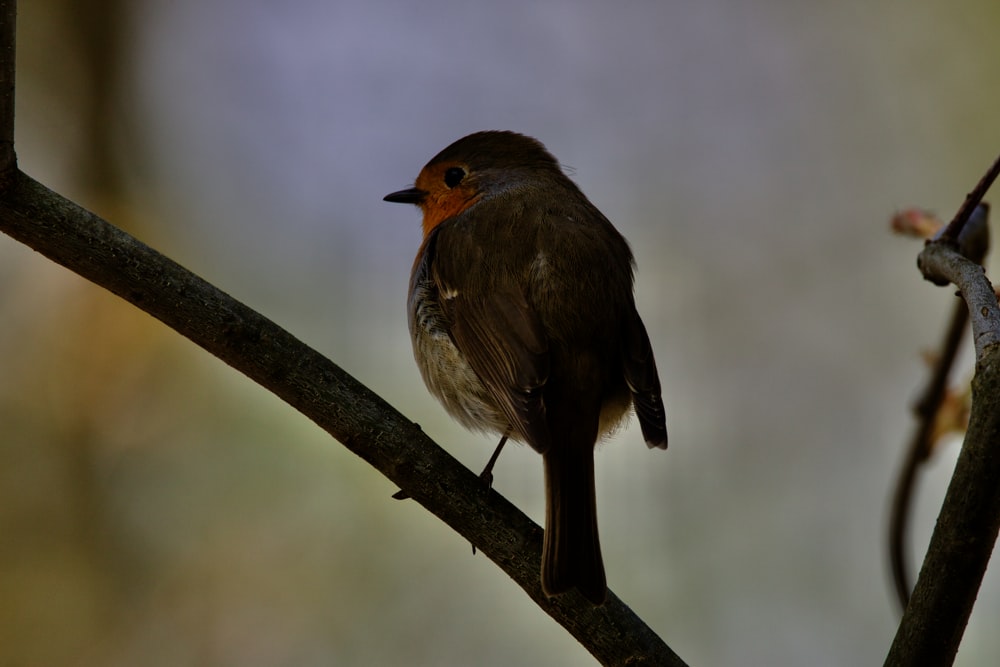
(524, 324)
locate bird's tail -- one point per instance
(571, 553)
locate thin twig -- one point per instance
(972, 200)
(926, 410)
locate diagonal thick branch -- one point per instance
(316, 387)
(967, 527)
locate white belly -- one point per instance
(445, 371)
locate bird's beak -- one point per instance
(408, 196)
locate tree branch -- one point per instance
(967, 527)
(942, 262)
(973, 243)
(8, 33)
(339, 404)
(972, 200)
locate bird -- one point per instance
(523, 323)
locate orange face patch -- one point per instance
(441, 201)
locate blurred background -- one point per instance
(158, 508)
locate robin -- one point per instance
(524, 324)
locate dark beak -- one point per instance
(409, 196)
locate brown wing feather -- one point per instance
(502, 339)
(644, 382)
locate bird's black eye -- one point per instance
(453, 176)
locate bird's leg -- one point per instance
(487, 474)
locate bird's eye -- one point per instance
(453, 176)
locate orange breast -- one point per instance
(439, 206)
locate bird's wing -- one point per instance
(644, 382)
(502, 339)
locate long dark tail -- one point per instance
(571, 553)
